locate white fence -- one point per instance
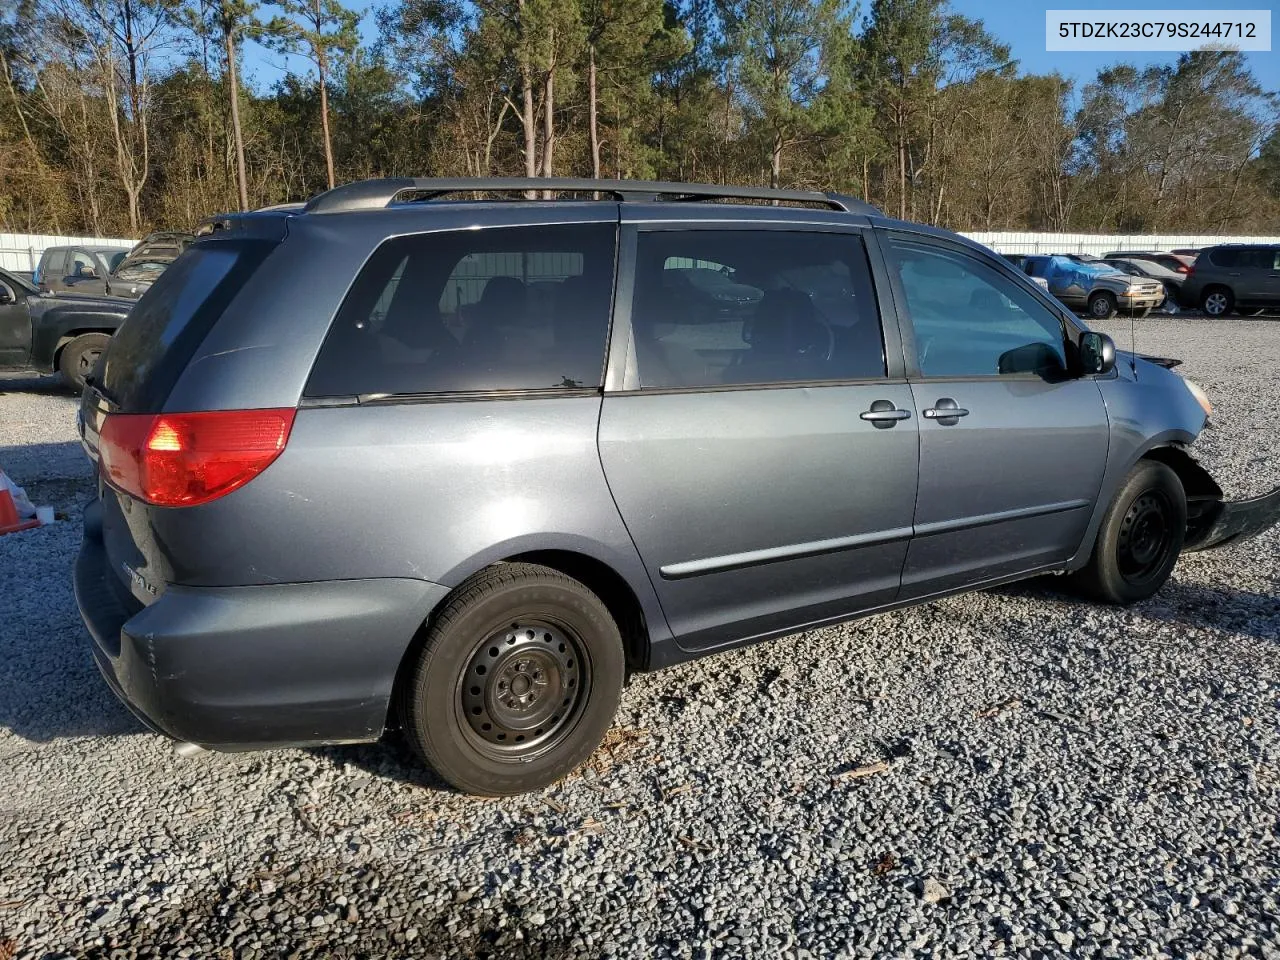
(1099, 243)
(21, 251)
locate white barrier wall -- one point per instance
(21, 251)
(1099, 243)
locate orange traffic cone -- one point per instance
(9, 522)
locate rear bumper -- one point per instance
(1226, 522)
(237, 668)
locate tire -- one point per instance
(1102, 305)
(516, 683)
(1140, 537)
(80, 356)
(1217, 302)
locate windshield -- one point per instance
(112, 256)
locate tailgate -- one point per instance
(122, 522)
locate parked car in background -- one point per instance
(1191, 252)
(1177, 262)
(1235, 276)
(65, 334)
(1097, 289)
(145, 262)
(1141, 267)
(583, 461)
(77, 269)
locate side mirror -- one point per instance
(6, 297)
(87, 273)
(1097, 353)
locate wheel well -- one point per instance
(611, 588)
(598, 577)
(1210, 287)
(1101, 293)
(72, 335)
(1195, 478)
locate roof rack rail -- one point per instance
(378, 194)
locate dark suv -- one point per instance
(1235, 276)
(477, 459)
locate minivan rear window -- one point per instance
(169, 321)
(474, 312)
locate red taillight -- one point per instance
(1182, 269)
(185, 459)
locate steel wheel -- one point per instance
(1145, 538)
(523, 689)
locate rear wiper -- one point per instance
(92, 382)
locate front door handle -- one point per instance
(946, 411)
(884, 414)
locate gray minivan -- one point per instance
(465, 463)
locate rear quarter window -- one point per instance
(168, 323)
(474, 311)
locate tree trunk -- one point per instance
(548, 119)
(322, 68)
(324, 117)
(528, 121)
(592, 112)
(775, 161)
(242, 183)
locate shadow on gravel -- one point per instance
(390, 758)
(17, 381)
(49, 686)
(1191, 604)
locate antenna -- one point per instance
(1133, 346)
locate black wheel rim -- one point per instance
(524, 689)
(1146, 538)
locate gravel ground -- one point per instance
(1008, 772)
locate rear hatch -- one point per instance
(129, 390)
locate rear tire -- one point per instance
(517, 681)
(79, 357)
(1102, 305)
(1217, 302)
(1140, 537)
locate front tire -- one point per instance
(80, 356)
(1140, 537)
(1102, 306)
(517, 681)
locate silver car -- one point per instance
(462, 465)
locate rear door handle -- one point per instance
(946, 411)
(884, 413)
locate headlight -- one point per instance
(1202, 398)
(1133, 288)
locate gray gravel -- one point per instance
(1009, 772)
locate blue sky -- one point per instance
(1015, 22)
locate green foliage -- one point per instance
(903, 101)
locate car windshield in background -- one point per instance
(113, 257)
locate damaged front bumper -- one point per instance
(1214, 522)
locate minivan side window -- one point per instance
(970, 320)
(474, 311)
(736, 307)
